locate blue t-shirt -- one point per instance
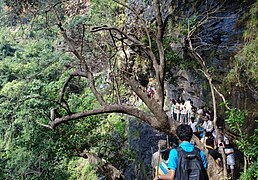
(188, 147)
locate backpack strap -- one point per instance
(188, 156)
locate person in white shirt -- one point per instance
(157, 155)
(210, 126)
(205, 123)
(178, 111)
(173, 109)
(183, 114)
(229, 151)
(193, 124)
(188, 104)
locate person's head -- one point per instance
(192, 119)
(163, 144)
(210, 142)
(208, 135)
(184, 132)
(165, 154)
(173, 101)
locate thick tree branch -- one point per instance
(108, 170)
(147, 117)
(71, 76)
(159, 39)
(151, 103)
(72, 46)
(130, 38)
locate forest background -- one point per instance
(57, 60)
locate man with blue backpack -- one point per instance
(185, 162)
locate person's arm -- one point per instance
(169, 176)
(172, 164)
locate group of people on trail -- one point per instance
(181, 111)
(182, 162)
(186, 161)
(201, 121)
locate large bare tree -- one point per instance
(125, 46)
(117, 52)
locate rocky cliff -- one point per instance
(221, 38)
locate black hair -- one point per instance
(209, 135)
(165, 154)
(192, 118)
(184, 132)
(210, 142)
(172, 141)
(173, 101)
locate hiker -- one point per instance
(229, 151)
(165, 147)
(188, 104)
(209, 144)
(178, 110)
(209, 125)
(186, 155)
(150, 92)
(163, 166)
(200, 129)
(173, 109)
(193, 125)
(183, 117)
(157, 155)
(200, 113)
(190, 111)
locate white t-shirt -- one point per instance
(155, 158)
(204, 125)
(193, 126)
(182, 108)
(188, 105)
(209, 127)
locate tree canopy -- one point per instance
(68, 66)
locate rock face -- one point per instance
(220, 37)
(144, 141)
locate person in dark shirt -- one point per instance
(213, 152)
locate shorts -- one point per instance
(231, 167)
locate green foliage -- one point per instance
(102, 12)
(80, 169)
(252, 172)
(236, 120)
(244, 66)
(248, 144)
(31, 80)
(27, 150)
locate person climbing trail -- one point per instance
(185, 162)
(150, 92)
